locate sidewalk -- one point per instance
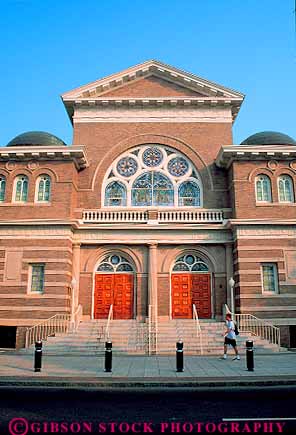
(145, 371)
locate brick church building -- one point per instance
(151, 206)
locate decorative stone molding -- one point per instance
(10, 166)
(272, 164)
(76, 153)
(231, 153)
(32, 165)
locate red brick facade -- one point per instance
(191, 117)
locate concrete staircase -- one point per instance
(210, 342)
(131, 337)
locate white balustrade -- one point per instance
(162, 216)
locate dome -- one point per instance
(36, 138)
(269, 138)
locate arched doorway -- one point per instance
(114, 284)
(190, 284)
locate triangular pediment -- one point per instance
(151, 79)
(151, 86)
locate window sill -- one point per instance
(275, 204)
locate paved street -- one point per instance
(213, 410)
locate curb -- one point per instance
(138, 383)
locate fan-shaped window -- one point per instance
(286, 191)
(190, 263)
(115, 263)
(21, 188)
(263, 188)
(152, 175)
(2, 188)
(43, 188)
(189, 194)
(115, 194)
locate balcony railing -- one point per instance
(153, 216)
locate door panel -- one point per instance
(201, 294)
(116, 289)
(188, 289)
(181, 296)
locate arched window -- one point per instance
(21, 188)
(152, 175)
(189, 194)
(263, 188)
(286, 191)
(2, 188)
(114, 264)
(115, 194)
(190, 263)
(43, 188)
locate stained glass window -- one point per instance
(190, 263)
(152, 188)
(2, 188)
(44, 186)
(142, 190)
(115, 194)
(21, 188)
(189, 194)
(115, 263)
(178, 166)
(269, 278)
(286, 191)
(148, 175)
(37, 278)
(263, 188)
(152, 156)
(127, 166)
(105, 267)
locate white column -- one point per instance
(229, 274)
(75, 276)
(152, 278)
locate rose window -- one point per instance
(152, 156)
(127, 166)
(178, 166)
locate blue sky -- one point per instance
(49, 47)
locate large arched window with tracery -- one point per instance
(152, 175)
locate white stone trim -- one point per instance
(162, 70)
(230, 153)
(76, 153)
(85, 114)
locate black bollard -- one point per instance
(179, 356)
(108, 356)
(38, 356)
(250, 355)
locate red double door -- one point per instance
(188, 289)
(116, 289)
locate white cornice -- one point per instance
(76, 153)
(230, 153)
(95, 92)
(147, 68)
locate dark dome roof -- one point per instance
(36, 138)
(269, 138)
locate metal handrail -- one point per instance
(198, 328)
(152, 331)
(258, 327)
(110, 317)
(77, 317)
(59, 323)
